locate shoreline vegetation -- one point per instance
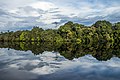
(71, 40)
(101, 31)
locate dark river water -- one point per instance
(20, 62)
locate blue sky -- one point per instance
(24, 14)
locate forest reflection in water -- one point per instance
(52, 61)
(101, 52)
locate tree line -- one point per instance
(101, 31)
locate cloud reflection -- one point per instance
(48, 65)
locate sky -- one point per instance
(24, 14)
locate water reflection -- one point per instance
(59, 61)
(102, 52)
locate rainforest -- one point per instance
(101, 31)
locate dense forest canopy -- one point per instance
(101, 31)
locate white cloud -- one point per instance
(48, 18)
(13, 4)
(43, 5)
(24, 12)
(111, 10)
(28, 13)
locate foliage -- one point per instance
(101, 31)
